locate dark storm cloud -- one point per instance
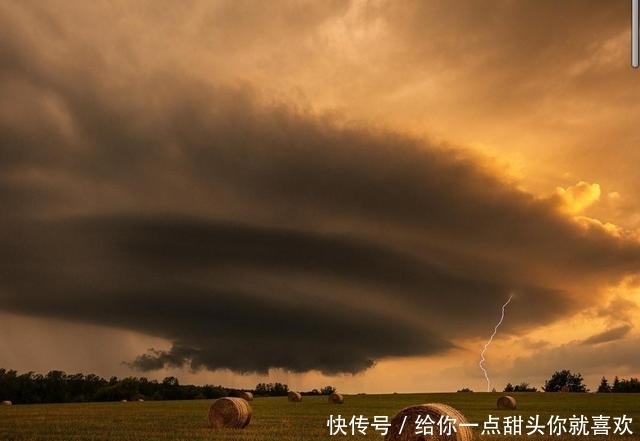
(608, 335)
(177, 278)
(155, 277)
(256, 235)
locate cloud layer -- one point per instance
(251, 233)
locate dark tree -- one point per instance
(170, 389)
(280, 390)
(272, 389)
(565, 381)
(327, 390)
(170, 382)
(261, 389)
(604, 386)
(522, 387)
(632, 385)
(616, 385)
(58, 387)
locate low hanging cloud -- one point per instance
(258, 235)
(613, 334)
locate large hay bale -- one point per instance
(246, 395)
(435, 411)
(229, 412)
(7, 403)
(506, 402)
(295, 397)
(336, 398)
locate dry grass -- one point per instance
(276, 419)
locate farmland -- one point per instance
(278, 419)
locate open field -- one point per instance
(277, 419)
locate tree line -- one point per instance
(566, 381)
(632, 385)
(59, 387)
(281, 390)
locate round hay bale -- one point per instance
(123, 401)
(435, 411)
(506, 402)
(294, 397)
(229, 412)
(7, 403)
(336, 398)
(246, 395)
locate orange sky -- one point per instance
(320, 193)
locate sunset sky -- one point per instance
(320, 192)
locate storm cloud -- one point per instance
(255, 234)
(608, 335)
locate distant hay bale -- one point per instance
(140, 400)
(230, 413)
(246, 395)
(336, 398)
(506, 402)
(435, 411)
(295, 397)
(7, 403)
(123, 401)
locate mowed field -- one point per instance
(277, 419)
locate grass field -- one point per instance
(276, 419)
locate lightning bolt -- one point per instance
(495, 330)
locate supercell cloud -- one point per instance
(253, 233)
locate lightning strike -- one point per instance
(495, 330)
